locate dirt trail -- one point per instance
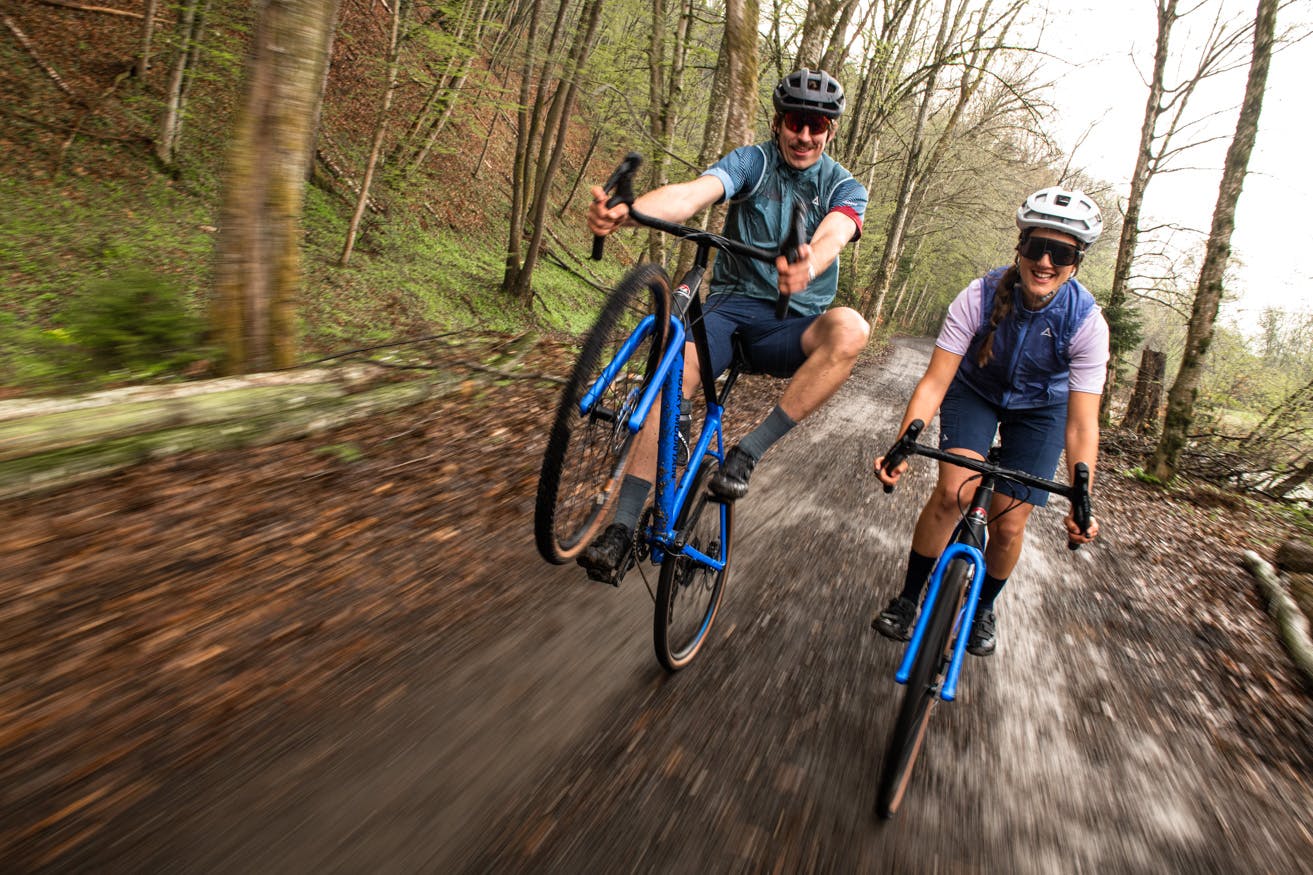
(524, 724)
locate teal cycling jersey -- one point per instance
(760, 187)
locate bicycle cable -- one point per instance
(1017, 501)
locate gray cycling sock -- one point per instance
(633, 495)
(774, 427)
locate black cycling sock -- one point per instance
(772, 428)
(633, 495)
(989, 590)
(918, 571)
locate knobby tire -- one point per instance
(922, 691)
(586, 454)
(689, 593)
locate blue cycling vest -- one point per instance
(1031, 363)
(761, 216)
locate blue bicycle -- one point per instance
(633, 356)
(932, 662)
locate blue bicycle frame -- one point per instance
(666, 381)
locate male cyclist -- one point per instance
(813, 345)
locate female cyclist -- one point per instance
(1022, 353)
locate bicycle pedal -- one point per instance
(613, 576)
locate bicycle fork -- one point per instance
(966, 615)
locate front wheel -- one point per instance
(589, 446)
(689, 591)
(922, 690)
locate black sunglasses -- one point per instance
(1061, 254)
(796, 121)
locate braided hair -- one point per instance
(1004, 303)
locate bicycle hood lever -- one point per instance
(620, 184)
(902, 448)
(796, 236)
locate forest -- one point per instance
(208, 187)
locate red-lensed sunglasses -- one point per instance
(816, 124)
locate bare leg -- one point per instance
(644, 464)
(832, 344)
(940, 515)
(1007, 533)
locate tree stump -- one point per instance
(1295, 555)
(1146, 399)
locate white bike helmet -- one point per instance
(1067, 210)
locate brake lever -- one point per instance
(621, 182)
(901, 449)
(796, 236)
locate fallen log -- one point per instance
(1291, 621)
(107, 439)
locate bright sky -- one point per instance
(1105, 42)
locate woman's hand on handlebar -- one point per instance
(795, 277)
(1074, 535)
(602, 220)
(889, 479)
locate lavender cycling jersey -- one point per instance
(1039, 356)
(760, 187)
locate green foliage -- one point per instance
(1145, 477)
(137, 321)
(59, 242)
(347, 453)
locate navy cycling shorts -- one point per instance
(773, 346)
(1030, 440)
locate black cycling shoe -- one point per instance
(983, 639)
(609, 556)
(731, 480)
(896, 620)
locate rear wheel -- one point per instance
(689, 591)
(922, 690)
(588, 449)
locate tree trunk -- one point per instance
(553, 145)
(191, 24)
(657, 112)
(258, 272)
(713, 140)
(519, 176)
(399, 9)
(816, 28)
(741, 21)
(147, 33)
(1199, 335)
(1153, 109)
(1142, 411)
(913, 170)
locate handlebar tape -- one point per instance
(621, 181)
(796, 236)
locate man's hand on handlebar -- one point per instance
(795, 277)
(602, 220)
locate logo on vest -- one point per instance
(1046, 332)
